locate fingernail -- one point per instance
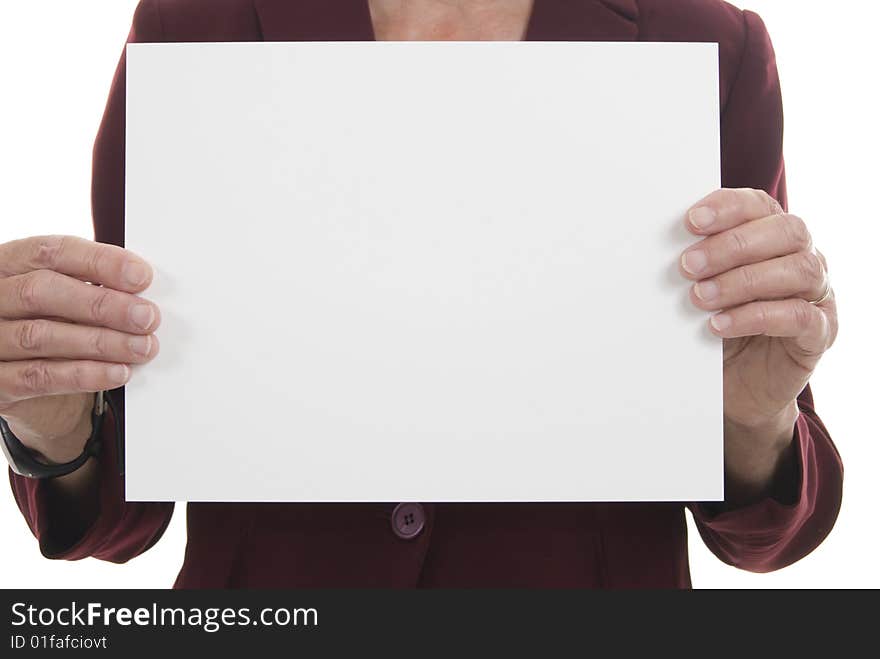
(702, 217)
(721, 322)
(142, 315)
(707, 290)
(694, 261)
(136, 274)
(140, 345)
(118, 373)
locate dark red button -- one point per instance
(408, 520)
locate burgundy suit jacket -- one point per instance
(532, 545)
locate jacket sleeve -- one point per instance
(121, 530)
(772, 533)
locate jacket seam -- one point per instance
(619, 11)
(158, 7)
(739, 68)
(257, 23)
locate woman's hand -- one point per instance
(62, 339)
(768, 287)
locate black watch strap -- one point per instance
(22, 461)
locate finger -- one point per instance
(792, 318)
(729, 207)
(821, 258)
(796, 275)
(752, 242)
(44, 377)
(44, 293)
(99, 263)
(41, 338)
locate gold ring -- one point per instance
(827, 294)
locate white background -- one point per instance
(56, 61)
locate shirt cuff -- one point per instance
(770, 534)
(119, 531)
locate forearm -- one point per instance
(85, 514)
(71, 500)
(72, 503)
(760, 461)
(786, 526)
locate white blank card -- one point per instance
(408, 271)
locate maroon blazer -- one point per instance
(439, 544)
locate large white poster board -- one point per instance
(422, 271)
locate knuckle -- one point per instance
(99, 308)
(98, 343)
(737, 243)
(749, 280)
(796, 232)
(78, 377)
(762, 316)
(728, 196)
(802, 315)
(33, 335)
(45, 252)
(95, 261)
(771, 205)
(732, 199)
(810, 269)
(29, 290)
(721, 200)
(36, 379)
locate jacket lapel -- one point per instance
(349, 20)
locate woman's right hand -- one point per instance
(62, 339)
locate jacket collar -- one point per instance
(349, 20)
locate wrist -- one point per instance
(755, 453)
(61, 436)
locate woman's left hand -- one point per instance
(758, 272)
